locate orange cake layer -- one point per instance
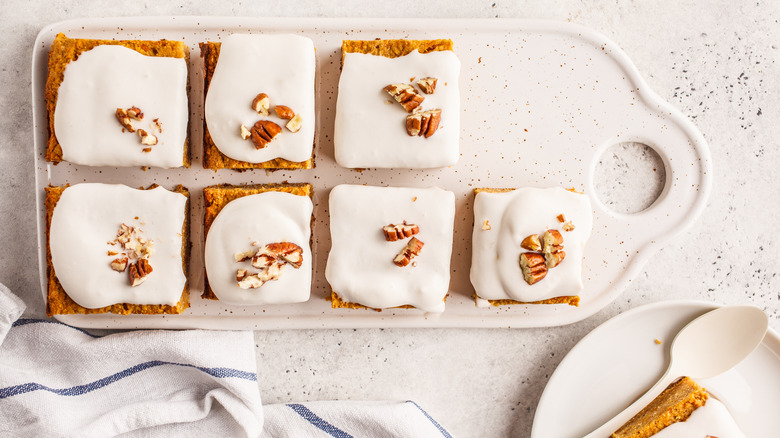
(676, 403)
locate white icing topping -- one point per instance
(512, 216)
(110, 77)
(263, 218)
(360, 265)
(711, 419)
(281, 66)
(369, 132)
(87, 217)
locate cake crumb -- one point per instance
(658, 341)
(486, 226)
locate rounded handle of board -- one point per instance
(688, 167)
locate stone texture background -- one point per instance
(715, 60)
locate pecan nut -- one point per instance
(533, 266)
(531, 243)
(411, 250)
(427, 85)
(424, 123)
(406, 95)
(261, 103)
(263, 132)
(139, 271)
(284, 112)
(552, 246)
(395, 232)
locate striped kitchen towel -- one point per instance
(57, 380)
(347, 419)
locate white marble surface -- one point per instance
(717, 61)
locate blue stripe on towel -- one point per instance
(435, 423)
(318, 422)
(25, 321)
(11, 391)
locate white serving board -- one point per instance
(619, 360)
(540, 102)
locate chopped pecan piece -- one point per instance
(157, 125)
(406, 95)
(552, 246)
(568, 226)
(406, 255)
(424, 123)
(261, 103)
(395, 232)
(119, 264)
(243, 256)
(486, 225)
(244, 133)
(135, 113)
(139, 271)
(531, 243)
(147, 138)
(248, 281)
(294, 125)
(284, 112)
(427, 85)
(124, 119)
(289, 252)
(533, 267)
(278, 253)
(263, 132)
(273, 272)
(561, 218)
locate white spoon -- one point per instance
(709, 345)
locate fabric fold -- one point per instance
(347, 419)
(58, 380)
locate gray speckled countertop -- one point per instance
(717, 61)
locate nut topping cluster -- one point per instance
(395, 232)
(424, 123)
(268, 260)
(133, 252)
(406, 95)
(411, 250)
(419, 122)
(264, 131)
(125, 117)
(546, 252)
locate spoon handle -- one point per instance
(620, 419)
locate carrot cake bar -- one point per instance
(391, 246)
(258, 243)
(398, 104)
(259, 110)
(112, 248)
(683, 410)
(117, 103)
(528, 244)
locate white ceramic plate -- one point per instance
(620, 360)
(540, 103)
